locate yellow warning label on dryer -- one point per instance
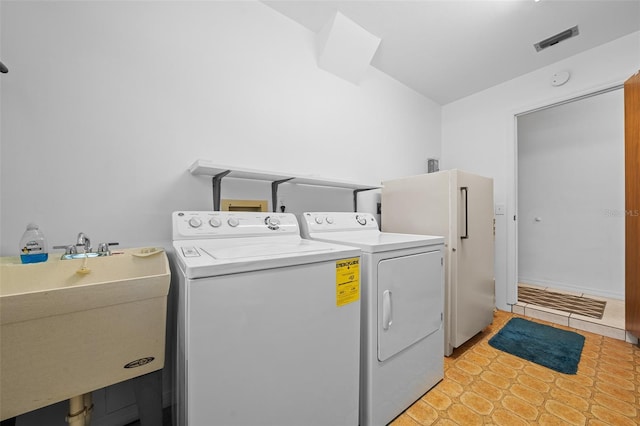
(347, 281)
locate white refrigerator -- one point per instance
(458, 206)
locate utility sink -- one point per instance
(68, 327)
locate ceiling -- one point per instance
(450, 49)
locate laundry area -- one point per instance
(257, 213)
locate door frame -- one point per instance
(512, 178)
(632, 202)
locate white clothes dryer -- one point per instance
(402, 336)
(268, 323)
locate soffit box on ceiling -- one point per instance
(345, 48)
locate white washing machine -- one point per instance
(402, 338)
(268, 323)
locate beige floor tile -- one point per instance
(518, 308)
(485, 386)
(547, 314)
(575, 321)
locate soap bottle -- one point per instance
(33, 245)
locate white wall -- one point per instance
(107, 104)
(571, 196)
(478, 132)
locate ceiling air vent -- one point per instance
(571, 32)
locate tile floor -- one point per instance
(485, 386)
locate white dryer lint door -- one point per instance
(410, 301)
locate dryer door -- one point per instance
(410, 301)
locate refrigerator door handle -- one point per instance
(466, 212)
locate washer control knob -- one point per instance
(318, 220)
(233, 222)
(272, 222)
(361, 220)
(329, 220)
(215, 222)
(195, 222)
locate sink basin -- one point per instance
(81, 255)
(66, 330)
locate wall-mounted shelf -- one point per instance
(206, 168)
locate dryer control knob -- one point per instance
(329, 220)
(272, 222)
(195, 222)
(233, 222)
(361, 220)
(318, 220)
(215, 222)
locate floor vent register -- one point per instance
(563, 302)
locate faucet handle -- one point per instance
(104, 247)
(70, 249)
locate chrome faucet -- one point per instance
(83, 240)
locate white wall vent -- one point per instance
(548, 42)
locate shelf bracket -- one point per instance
(274, 193)
(216, 182)
(355, 196)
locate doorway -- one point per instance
(570, 189)
(569, 207)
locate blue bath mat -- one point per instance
(551, 347)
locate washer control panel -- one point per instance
(214, 224)
(338, 221)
